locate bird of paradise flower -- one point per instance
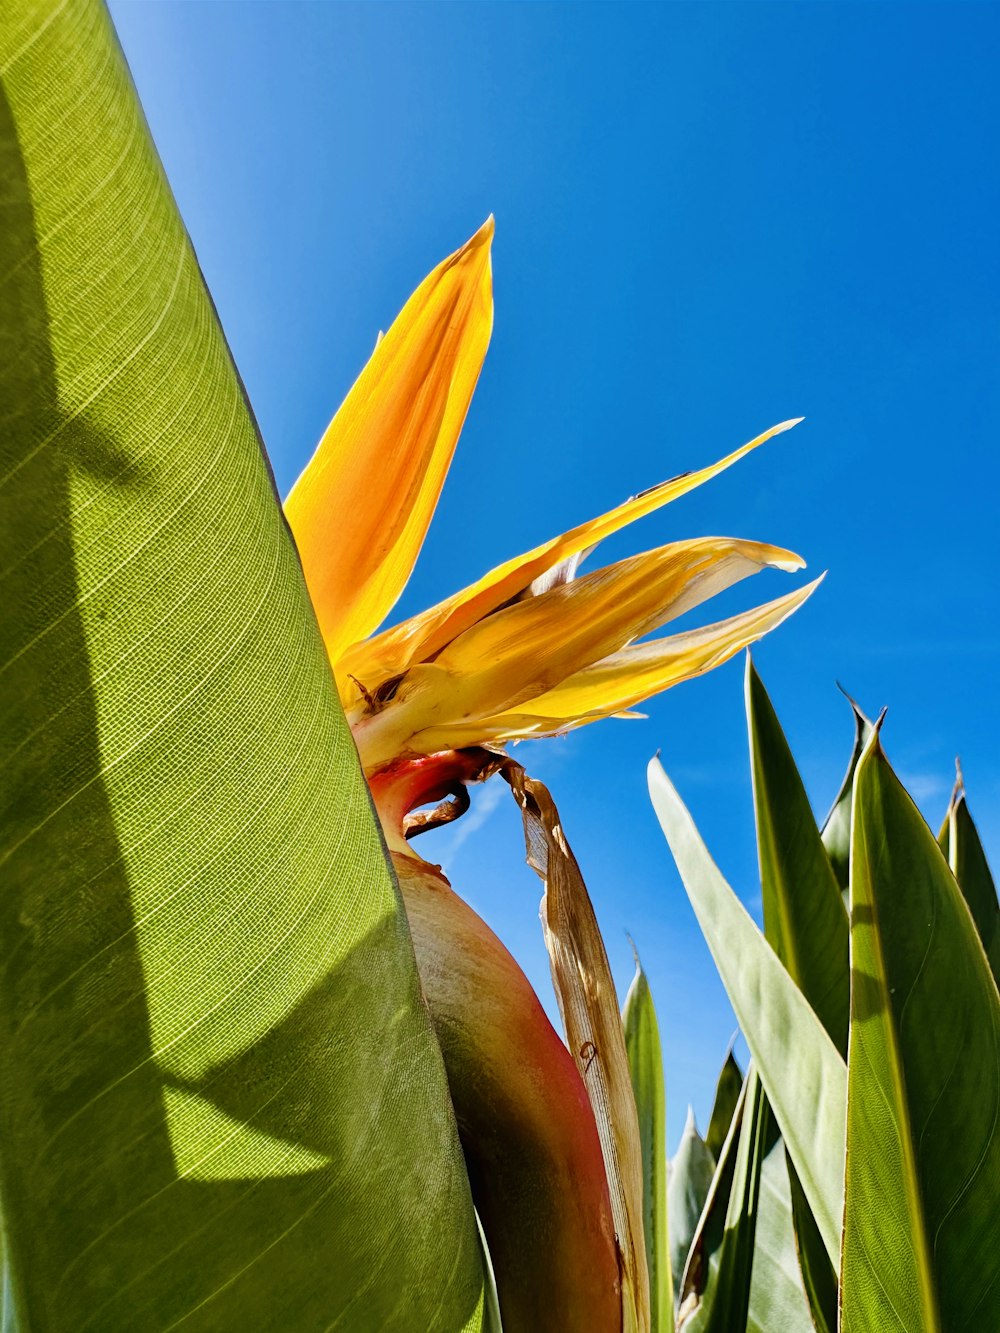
(531, 649)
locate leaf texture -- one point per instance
(221, 1103)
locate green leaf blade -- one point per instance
(802, 1071)
(805, 921)
(922, 1230)
(645, 1060)
(744, 1273)
(777, 1295)
(804, 916)
(727, 1095)
(725, 1301)
(959, 840)
(222, 1101)
(702, 1264)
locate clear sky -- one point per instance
(710, 218)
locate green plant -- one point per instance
(875, 1037)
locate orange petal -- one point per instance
(361, 509)
(423, 635)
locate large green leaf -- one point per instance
(801, 1069)
(804, 916)
(645, 1062)
(221, 1101)
(959, 840)
(922, 1222)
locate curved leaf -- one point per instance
(222, 1103)
(801, 1070)
(921, 1226)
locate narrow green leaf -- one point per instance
(819, 1276)
(837, 827)
(922, 1226)
(645, 1062)
(806, 923)
(702, 1264)
(727, 1094)
(725, 1303)
(222, 1103)
(692, 1169)
(960, 842)
(804, 916)
(743, 1272)
(801, 1069)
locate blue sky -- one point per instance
(709, 218)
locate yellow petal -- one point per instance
(531, 647)
(626, 678)
(423, 635)
(361, 509)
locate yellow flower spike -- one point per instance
(425, 634)
(529, 648)
(361, 509)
